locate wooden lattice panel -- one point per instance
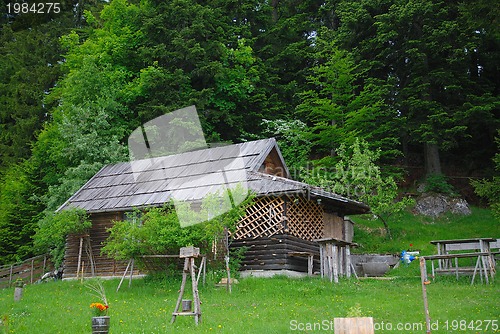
(263, 219)
(305, 218)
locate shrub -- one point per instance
(438, 183)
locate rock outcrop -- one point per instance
(434, 205)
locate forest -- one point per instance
(417, 80)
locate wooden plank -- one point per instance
(455, 241)
(457, 255)
(463, 246)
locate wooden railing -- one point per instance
(29, 270)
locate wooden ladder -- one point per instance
(189, 253)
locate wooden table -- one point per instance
(481, 245)
(457, 270)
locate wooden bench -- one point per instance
(480, 266)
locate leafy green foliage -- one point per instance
(55, 227)
(158, 230)
(293, 141)
(357, 176)
(339, 107)
(28, 69)
(490, 189)
(437, 183)
(418, 79)
(19, 207)
(155, 232)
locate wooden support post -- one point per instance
(228, 271)
(335, 260)
(424, 281)
(310, 264)
(131, 273)
(124, 274)
(202, 268)
(10, 275)
(196, 297)
(32, 269)
(478, 264)
(90, 255)
(348, 261)
(79, 257)
(354, 271)
(329, 261)
(321, 261)
(485, 269)
(83, 268)
(181, 292)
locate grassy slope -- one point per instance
(407, 228)
(272, 305)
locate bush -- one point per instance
(55, 227)
(438, 183)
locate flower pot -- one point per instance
(100, 325)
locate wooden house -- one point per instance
(285, 219)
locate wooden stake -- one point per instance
(79, 257)
(83, 268)
(196, 297)
(131, 272)
(228, 271)
(124, 274)
(423, 279)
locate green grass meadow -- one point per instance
(277, 305)
(280, 304)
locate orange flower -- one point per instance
(99, 306)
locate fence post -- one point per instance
(32, 264)
(10, 276)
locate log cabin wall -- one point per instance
(103, 265)
(273, 253)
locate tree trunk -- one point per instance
(386, 226)
(432, 161)
(275, 5)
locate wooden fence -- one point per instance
(29, 270)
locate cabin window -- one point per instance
(134, 217)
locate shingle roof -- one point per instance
(190, 176)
